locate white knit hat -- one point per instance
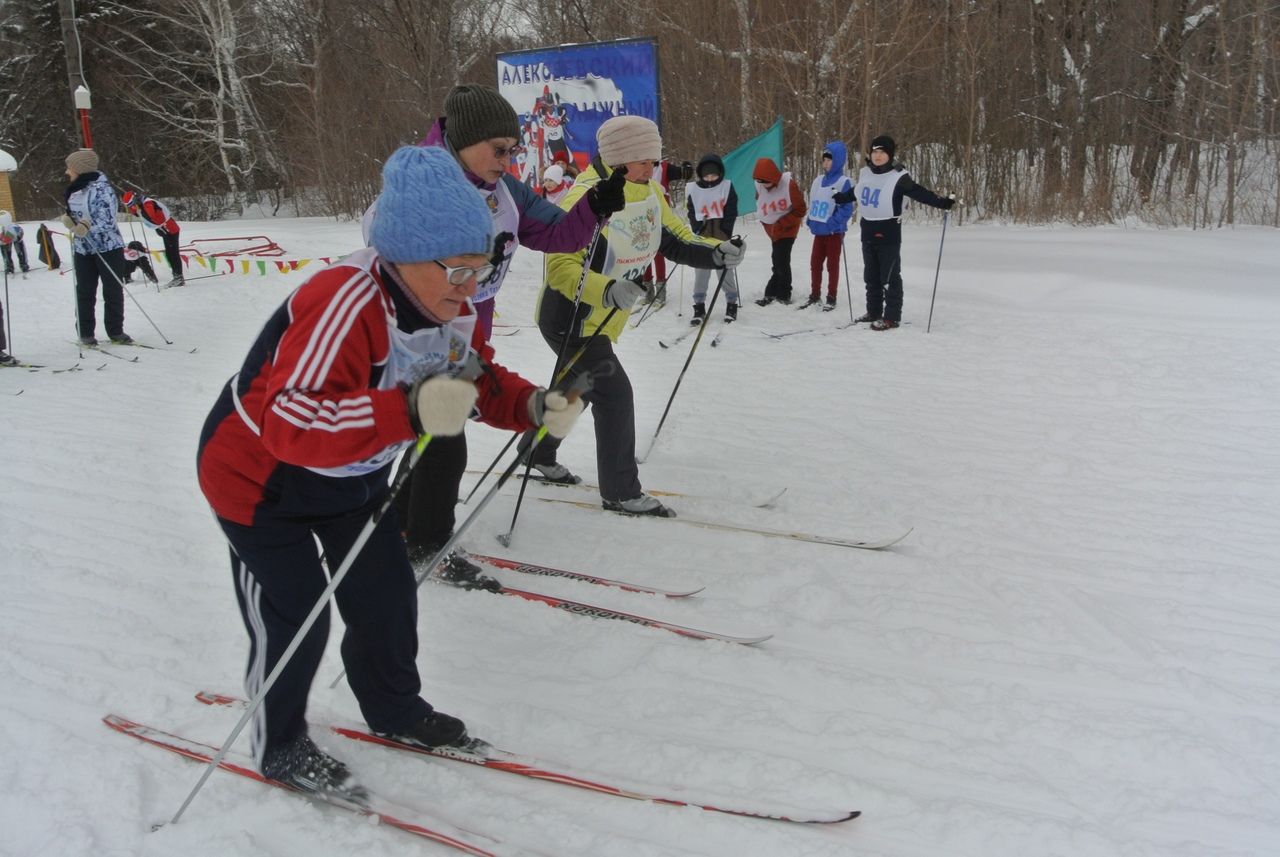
(553, 173)
(626, 139)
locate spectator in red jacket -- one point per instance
(359, 362)
(780, 205)
(155, 214)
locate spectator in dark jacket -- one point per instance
(881, 186)
(712, 206)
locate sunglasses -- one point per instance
(501, 152)
(460, 275)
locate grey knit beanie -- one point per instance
(82, 161)
(627, 139)
(473, 113)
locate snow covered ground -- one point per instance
(1076, 652)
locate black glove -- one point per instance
(947, 202)
(843, 196)
(500, 249)
(609, 195)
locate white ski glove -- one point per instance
(79, 228)
(730, 253)
(555, 411)
(623, 294)
(441, 405)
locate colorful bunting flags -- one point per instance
(246, 265)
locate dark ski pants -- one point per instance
(882, 274)
(826, 251)
(109, 267)
(779, 285)
(8, 255)
(613, 412)
(171, 254)
(426, 505)
(279, 578)
(4, 343)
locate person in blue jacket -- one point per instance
(828, 221)
(98, 247)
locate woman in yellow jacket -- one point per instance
(634, 235)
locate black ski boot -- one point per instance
(699, 314)
(830, 304)
(813, 299)
(730, 313)
(438, 732)
(456, 569)
(303, 766)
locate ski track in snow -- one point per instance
(1075, 652)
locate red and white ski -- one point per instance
(431, 828)
(578, 608)
(526, 766)
(549, 571)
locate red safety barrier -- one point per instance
(247, 245)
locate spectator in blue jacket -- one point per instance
(98, 247)
(828, 221)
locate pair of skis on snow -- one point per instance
(426, 825)
(693, 328)
(594, 611)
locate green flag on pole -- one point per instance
(739, 164)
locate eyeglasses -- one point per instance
(460, 275)
(501, 152)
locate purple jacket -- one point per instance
(543, 226)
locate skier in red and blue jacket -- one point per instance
(155, 214)
(357, 363)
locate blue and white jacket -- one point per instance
(90, 197)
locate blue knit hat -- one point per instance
(428, 210)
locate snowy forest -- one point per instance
(1088, 111)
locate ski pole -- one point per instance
(528, 441)
(848, 283)
(680, 312)
(471, 370)
(9, 304)
(659, 300)
(320, 605)
(945, 216)
(577, 303)
(555, 381)
(116, 277)
(702, 328)
(524, 483)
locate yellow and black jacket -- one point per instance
(645, 227)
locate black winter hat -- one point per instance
(884, 141)
(473, 113)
